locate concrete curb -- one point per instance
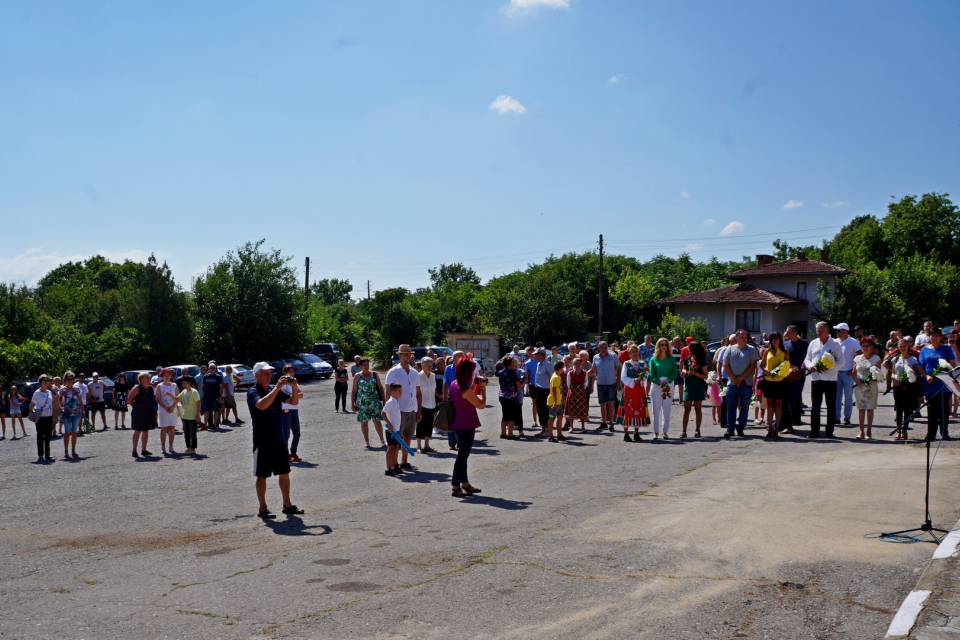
(916, 600)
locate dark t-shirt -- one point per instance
(508, 383)
(266, 422)
(211, 385)
(120, 391)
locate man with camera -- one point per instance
(270, 454)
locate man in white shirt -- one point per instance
(845, 381)
(824, 384)
(408, 377)
(924, 336)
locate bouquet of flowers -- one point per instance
(871, 374)
(754, 399)
(781, 370)
(723, 391)
(666, 388)
(825, 362)
(907, 376)
(638, 371)
(712, 378)
(942, 365)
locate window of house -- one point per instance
(748, 320)
(801, 291)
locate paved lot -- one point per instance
(595, 538)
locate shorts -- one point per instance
(71, 424)
(557, 411)
(606, 393)
(229, 402)
(98, 406)
(271, 459)
(391, 437)
(14, 411)
(408, 423)
(211, 404)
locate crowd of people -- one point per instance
(635, 386)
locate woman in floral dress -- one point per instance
(633, 411)
(367, 401)
(576, 407)
(866, 392)
(567, 363)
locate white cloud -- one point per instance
(732, 228)
(684, 195)
(694, 247)
(519, 7)
(33, 264)
(709, 222)
(793, 204)
(614, 79)
(506, 104)
(838, 203)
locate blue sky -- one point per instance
(381, 138)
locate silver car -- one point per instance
(244, 374)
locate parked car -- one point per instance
(301, 369)
(180, 370)
(131, 376)
(243, 372)
(328, 351)
(441, 351)
(321, 367)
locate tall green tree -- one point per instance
(249, 306)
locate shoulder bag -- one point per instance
(445, 415)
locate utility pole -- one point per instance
(368, 289)
(306, 282)
(600, 314)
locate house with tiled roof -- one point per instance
(764, 298)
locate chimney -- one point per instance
(801, 255)
(825, 255)
(764, 259)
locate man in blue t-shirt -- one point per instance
(270, 454)
(210, 398)
(938, 407)
(530, 380)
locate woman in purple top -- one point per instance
(465, 422)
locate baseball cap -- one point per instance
(689, 338)
(159, 368)
(260, 366)
(842, 326)
(541, 351)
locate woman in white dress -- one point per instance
(167, 417)
(866, 387)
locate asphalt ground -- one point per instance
(592, 538)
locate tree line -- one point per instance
(100, 315)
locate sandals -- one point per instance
(696, 434)
(683, 434)
(471, 489)
(457, 492)
(292, 510)
(265, 514)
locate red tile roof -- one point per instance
(794, 266)
(738, 293)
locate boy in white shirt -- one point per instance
(391, 417)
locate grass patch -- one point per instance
(60, 590)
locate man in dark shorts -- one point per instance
(95, 390)
(270, 454)
(210, 399)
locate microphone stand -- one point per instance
(927, 525)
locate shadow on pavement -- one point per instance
(424, 477)
(497, 503)
(304, 465)
(294, 526)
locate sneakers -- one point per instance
(637, 438)
(406, 466)
(390, 472)
(610, 426)
(292, 510)
(397, 471)
(727, 434)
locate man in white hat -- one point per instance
(270, 453)
(845, 380)
(408, 377)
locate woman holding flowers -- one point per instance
(695, 372)
(576, 406)
(775, 364)
(906, 374)
(866, 385)
(936, 358)
(663, 371)
(633, 411)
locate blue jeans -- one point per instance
(845, 392)
(290, 421)
(738, 396)
(452, 438)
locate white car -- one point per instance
(243, 373)
(321, 368)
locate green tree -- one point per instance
(929, 227)
(452, 273)
(858, 243)
(673, 325)
(249, 306)
(331, 291)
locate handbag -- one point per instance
(445, 415)
(794, 375)
(34, 415)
